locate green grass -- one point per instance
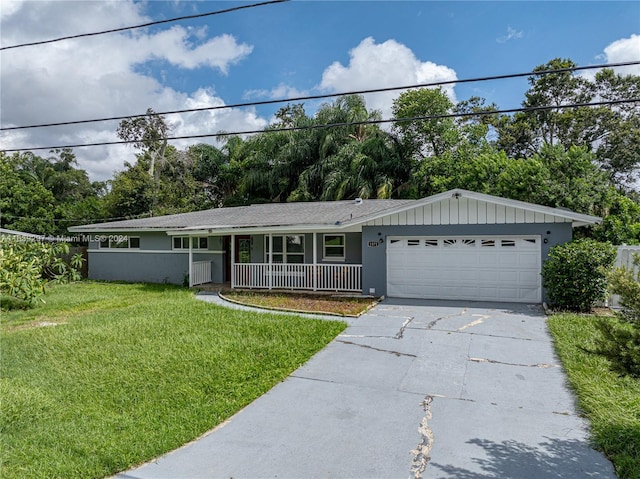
(133, 371)
(611, 402)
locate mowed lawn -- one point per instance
(610, 401)
(106, 376)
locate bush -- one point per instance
(627, 285)
(575, 274)
(620, 343)
(26, 266)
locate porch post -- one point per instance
(270, 260)
(232, 260)
(190, 261)
(315, 262)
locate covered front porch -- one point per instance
(308, 261)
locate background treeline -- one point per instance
(584, 158)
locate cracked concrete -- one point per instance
(419, 389)
(421, 454)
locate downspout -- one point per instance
(270, 260)
(190, 261)
(233, 261)
(315, 262)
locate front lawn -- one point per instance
(106, 376)
(304, 302)
(611, 402)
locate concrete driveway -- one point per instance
(417, 389)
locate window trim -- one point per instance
(112, 241)
(284, 253)
(343, 245)
(186, 239)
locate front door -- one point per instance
(242, 257)
(243, 249)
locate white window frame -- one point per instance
(284, 251)
(325, 257)
(112, 241)
(184, 241)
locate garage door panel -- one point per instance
(480, 268)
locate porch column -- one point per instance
(270, 252)
(315, 262)
(190, 261)
(232, 260)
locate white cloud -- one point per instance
(281, 92)
(104, 76)
(624, 50)
(387, 64)
(512, 34)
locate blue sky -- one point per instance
(277, 51)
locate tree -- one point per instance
(147, 133)
(26, 205)
(611, 132)
(425, 138)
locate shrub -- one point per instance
(624, 282)
(620, 343)
(575, 274)
(26, 266)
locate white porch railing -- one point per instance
(321, 277)
(201, 271)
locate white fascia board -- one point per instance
(82, 229)
(227, 230)
(577, 219)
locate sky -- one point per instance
(277, 51)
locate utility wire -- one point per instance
(143, 25)
(354, 123)
(330, 95)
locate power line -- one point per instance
(354, 123)
(143, 25)
(331, 95)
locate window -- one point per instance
(120, 242)
(182, 242)
(334, 247)
(286, 249)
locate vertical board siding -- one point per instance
(464, 211)
(472, 212)
(411, 217)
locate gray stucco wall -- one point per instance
(374, 259)
(154, 262)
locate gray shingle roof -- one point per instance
(261, 215)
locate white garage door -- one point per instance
(481, 268)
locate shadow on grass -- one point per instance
(554, 459)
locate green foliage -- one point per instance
(610, 401)
(575, 274)
(622, 224)
(626, 283)
(26, 266)
(620, 344)
(124, 373)
(25, 203)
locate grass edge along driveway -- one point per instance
(609, 401)
(106, 376)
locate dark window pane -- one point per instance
(134, 242)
